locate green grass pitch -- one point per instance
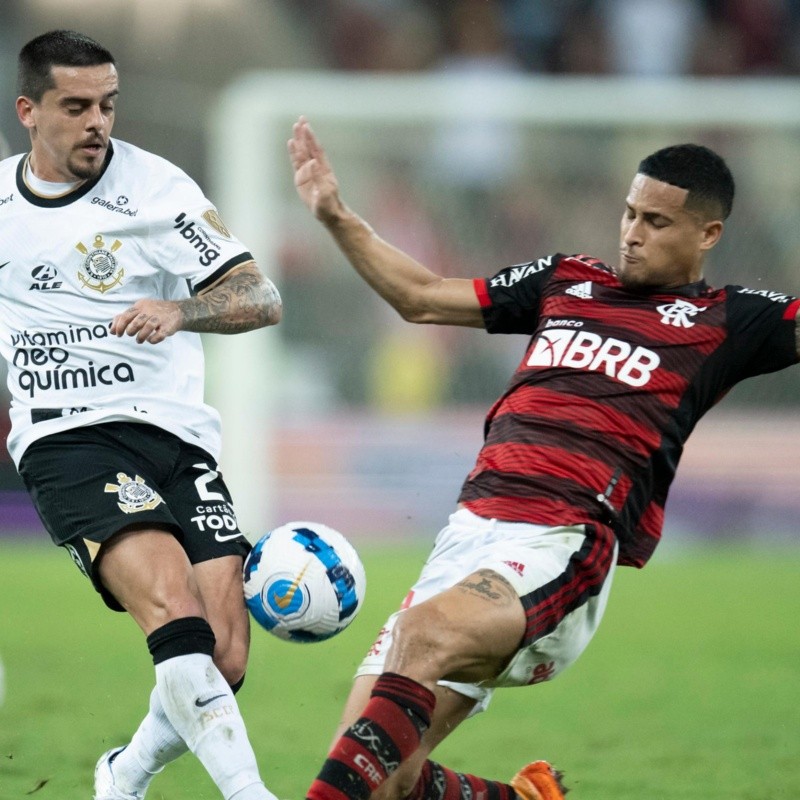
(691, 688)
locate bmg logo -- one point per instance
(198, 239)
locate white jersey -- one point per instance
(69, 264)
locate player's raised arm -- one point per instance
(417, 294)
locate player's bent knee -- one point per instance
(423, 636)
(432, 641)
(148, 573)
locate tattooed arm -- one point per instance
(242, 301)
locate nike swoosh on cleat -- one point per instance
(200, 703)
(4, 265)
(283, 600)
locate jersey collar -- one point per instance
(64, 199)
(696, 289)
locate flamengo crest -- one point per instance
(134, 495)
(678, 313)
(99, 270)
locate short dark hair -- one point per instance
(59, 48)
(699, 170)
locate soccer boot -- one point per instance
(539, 781)
(105, 787)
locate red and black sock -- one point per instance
(439, 783)
(388, 732)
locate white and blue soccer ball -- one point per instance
(304, 582)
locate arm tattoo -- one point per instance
(486, 583)
(243, 301)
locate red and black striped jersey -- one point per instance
(592, 425)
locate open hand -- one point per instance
(313, 176)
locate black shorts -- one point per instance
(92, 482)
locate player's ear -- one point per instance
(711, 233)
(25, 111)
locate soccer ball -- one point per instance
(304, 582)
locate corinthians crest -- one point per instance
(99, 270)
(133, 494)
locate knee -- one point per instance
(171, 602)
(435, 640)
(150, 576)
(422, 636)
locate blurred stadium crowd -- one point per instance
(193, 48)
(632, 37)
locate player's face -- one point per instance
(661, 243)
(71, 125)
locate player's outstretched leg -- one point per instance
(149, 574)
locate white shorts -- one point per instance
(562, 576)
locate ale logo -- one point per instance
(44, 278)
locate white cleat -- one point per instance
(105, 787)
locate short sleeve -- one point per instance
(763, 328)
(188, 237)
(510, 299)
